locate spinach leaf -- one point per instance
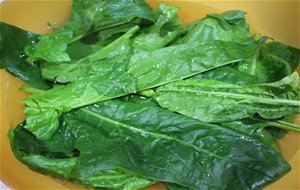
(182, 61)
(96, 40)
(253, 128)
(166, 28)
(229, 26)
(118, 134)
(216, 101)
(267, 131)
(279, 124)
(123, 10)
(228, 74)
(66, 164)
(144, 72)
(140, 100)
(274, 62)
(86, 16)
(289, 56)
(12, 43)
(44, 109)
(102, 61)
(276, 132)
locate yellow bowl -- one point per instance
(278, 19)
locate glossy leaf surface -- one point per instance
(192, 153)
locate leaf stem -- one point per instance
(281, 124)
(241, 96)
(32, 90)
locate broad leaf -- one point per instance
(44, 109)
(63, 162)
(181, 61)
(229, 26)
(191, 153)
(216, 101)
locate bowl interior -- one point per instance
(278, 19)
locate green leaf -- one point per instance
(140, 100)
(281, 124)
(101, 61)
(234, 18)
(275, 61)
(181, 61)
(253, 128)
(276, 132)
(123, 10)
(44, 109)
(38, 156)
(266, 131)
(96, 40)
(12, 43)
(228, 74)
(279, 52)
(229, 26)
(118, 134)
(200, 156)
(166, 28)
(86, 16)
(216, 101)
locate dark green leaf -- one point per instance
(228, 74)
(253, 128)
(12, 43)
(277, 133)
(289, 56)
(263, 130)
(96, 40)
(39, 157)
(191, 153)
(274, 62)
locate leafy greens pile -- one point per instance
(124, 97)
